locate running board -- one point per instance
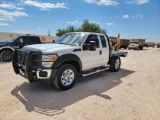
(97, 71)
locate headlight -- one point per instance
(48, 60)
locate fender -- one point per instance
(67, 57)
(8, 47)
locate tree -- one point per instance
(60, 32)
(85, 27)
(71, 29)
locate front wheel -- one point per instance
(66, 77)
(6, 56)
(115, 64)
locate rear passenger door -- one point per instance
(27, 40)
(34, 40)
(104, 49)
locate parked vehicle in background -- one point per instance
(75, 53)
(8, 46)
(136, 44)
(125, 43)
(145, 44)
(158, 45)
(151, 44)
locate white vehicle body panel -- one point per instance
(52, 48)
(89, 59)
(105, 53)
(132, 45)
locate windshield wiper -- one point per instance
(63, 43)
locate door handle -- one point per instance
(100, 52)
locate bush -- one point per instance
(158, 45)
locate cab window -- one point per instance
(103, 41)
(92, 38)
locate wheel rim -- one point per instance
(67, 77)
(117, 63)
(7, 56)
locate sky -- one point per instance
(130, 18)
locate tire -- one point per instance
(115, 64)
(60, 80)
(6, 56)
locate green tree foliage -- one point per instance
(60, 32)
(85, 27)
(71, 29)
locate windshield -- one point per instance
(134, 43)
(12, 39)
(73, 39)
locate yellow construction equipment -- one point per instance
(115, 42)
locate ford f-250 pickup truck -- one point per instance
(71, 55)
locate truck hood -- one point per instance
(132, 44)
(50, 48)
(4, 43)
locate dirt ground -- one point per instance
(132, 93)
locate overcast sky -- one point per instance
(129, 18)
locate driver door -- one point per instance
(19, 43)
(91, 59)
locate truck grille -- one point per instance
(37, 57)
(34, 58)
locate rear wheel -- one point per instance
(141, 48)
(6, 56)
(115, 64)
(66, 77)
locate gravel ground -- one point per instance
(132, 93)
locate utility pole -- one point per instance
(49, 33)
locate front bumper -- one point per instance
(25, 63)
(133, 47)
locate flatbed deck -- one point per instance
(119, 53)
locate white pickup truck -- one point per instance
(73, 54)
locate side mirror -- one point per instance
(91, 46)
(21, 40)
(86, 47)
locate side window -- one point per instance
(92, 38)
(103, 41)
(19, 40)
(26, 40)
(35, 39)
